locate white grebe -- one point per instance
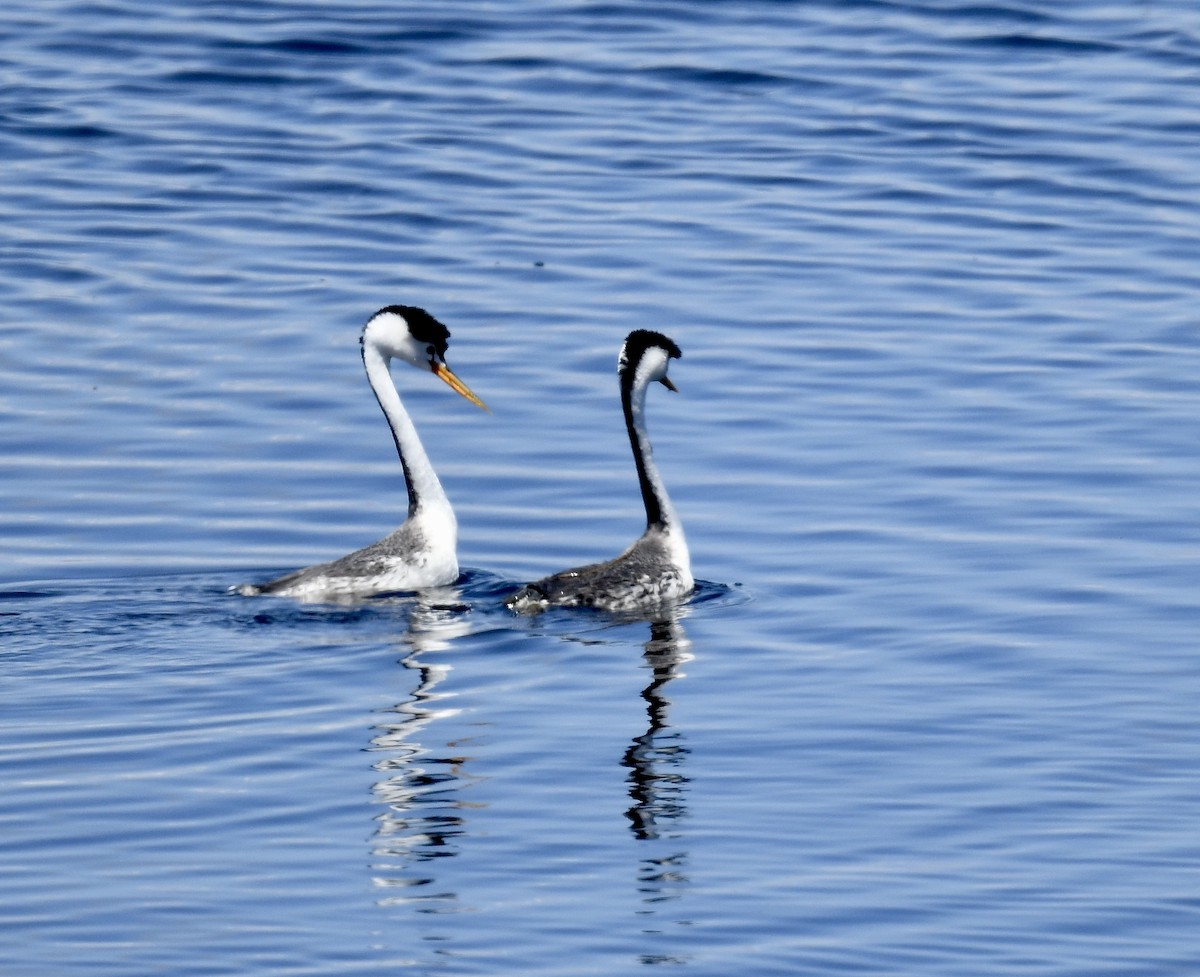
(656, 568)
(421, 553)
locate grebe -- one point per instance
(421, 553)
(656, 568)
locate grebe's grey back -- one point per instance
(422, 551)
(656, 568)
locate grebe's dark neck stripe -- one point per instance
(637, 344)
(424, 327)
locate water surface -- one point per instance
(932, 267)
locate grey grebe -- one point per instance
(421, 553)
(656, 568)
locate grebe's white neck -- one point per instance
(424, 490)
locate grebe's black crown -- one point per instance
(640, 340)
(424, 327)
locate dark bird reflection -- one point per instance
(656, 760)
(420, 787)
(657, 784)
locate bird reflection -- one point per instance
(420, 788)
(657, 786)
(656, 757)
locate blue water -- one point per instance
(933, 267)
